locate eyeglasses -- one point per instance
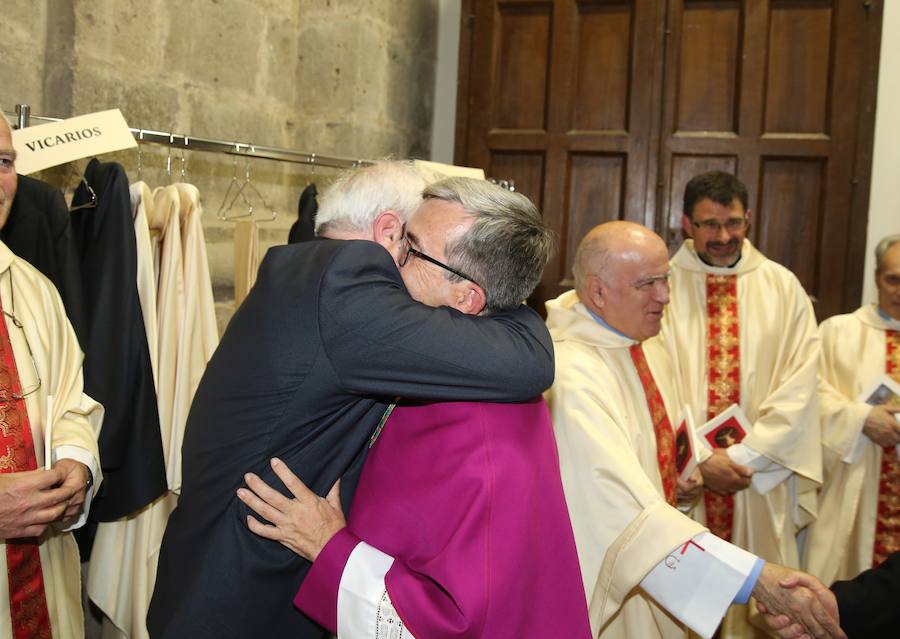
(406, 250)
(732, 225)
(9, 397)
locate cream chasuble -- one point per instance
(610, 470)
(199, 334)
(74, 425)
(779, 349)
(841, 541)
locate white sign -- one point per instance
(40, 147)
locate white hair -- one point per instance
(882, 248)
(359, 196)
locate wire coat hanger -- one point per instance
(92, 204)
(247, 188)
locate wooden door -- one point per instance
(558, 96)
(603, 109)
(772, 91)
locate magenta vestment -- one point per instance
(467, 498)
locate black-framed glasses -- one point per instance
(732, 225)
(406, 250)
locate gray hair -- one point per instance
(882, 248)
(506, 248)
(591, 258)
(358, 196)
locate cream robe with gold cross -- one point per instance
(779, 350)
(840, 542)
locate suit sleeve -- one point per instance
(868, 604)
(381, 342)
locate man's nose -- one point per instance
(661, 288)
(722, 234)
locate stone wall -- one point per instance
(351, 78)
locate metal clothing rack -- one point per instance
(23, 118)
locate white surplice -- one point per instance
(624, 529)
(840, 542)
(74, 426)
(779, 350)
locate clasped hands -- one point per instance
(303, 524)
(31, 501)
(797, 605)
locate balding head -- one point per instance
(621, 274)
(8, 179)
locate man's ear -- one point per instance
(594, 286)
(469, 298)
(387, 230)
(687, 225)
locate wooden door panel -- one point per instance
(788, 220)
(525, 169)
(710, 57)
(520, 65)
(799, 64)
(595, 194)
(602, 67)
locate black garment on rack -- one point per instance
(39, 231)
(117, 371)
(304, 229)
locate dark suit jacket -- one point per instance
(39, 231)
(117, 370)
(305, 370)
(870, 604)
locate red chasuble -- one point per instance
(723, 353)
(887, 525)
(27, 600)
(665, 438)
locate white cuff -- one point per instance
(698, 581)
(364, 609)
(85, 457)
(766, 473)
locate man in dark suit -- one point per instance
(867, 604)
(305, 371)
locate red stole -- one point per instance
(27, 600)
(723, 353)
(665, 438)
(887, 524)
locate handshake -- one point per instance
(797, 605)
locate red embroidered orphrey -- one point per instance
(887, 522)
(665, 438)
(723, 353)
(27, 599)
